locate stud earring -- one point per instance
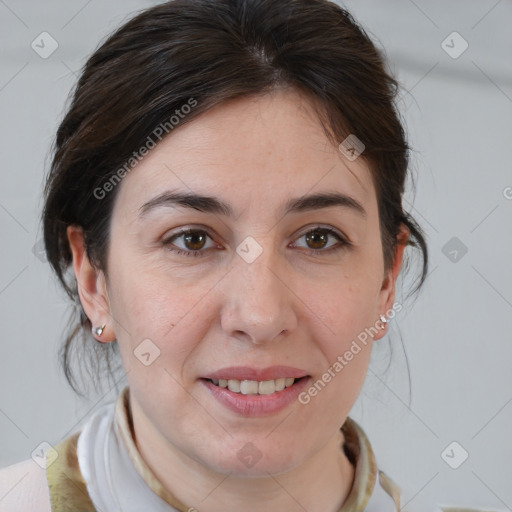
(384, 321)
(99, 330)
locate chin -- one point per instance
(249, 461)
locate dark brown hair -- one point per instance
(212, 51)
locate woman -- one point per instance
(225, 204)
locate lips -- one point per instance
(253, 405)
(249, 373)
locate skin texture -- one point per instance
(288, 307)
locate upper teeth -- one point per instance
(254, 387)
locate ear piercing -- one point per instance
(384, 321)
(98, 330)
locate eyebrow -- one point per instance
(210, 204)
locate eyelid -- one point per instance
(322, 227)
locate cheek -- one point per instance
(344, 336)
(145, 307)
(345, 306)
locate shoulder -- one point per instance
(24, 488)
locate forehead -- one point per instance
(267, 147)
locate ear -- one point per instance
(387, 292)
(92, 288)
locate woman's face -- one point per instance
(259, 283)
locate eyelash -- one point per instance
(314, 252)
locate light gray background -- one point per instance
(457, 333)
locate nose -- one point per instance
(259, 302)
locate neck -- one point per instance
(321, 483)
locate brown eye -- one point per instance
(317, 239)
(190, 242)
(194, 240)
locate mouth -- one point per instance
(254, 387)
